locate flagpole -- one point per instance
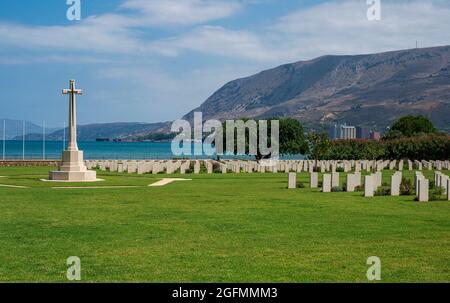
(23, 140)
(4, 139)
(43, 140)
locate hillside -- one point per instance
(366, 90)
(91, 132)
(15, 128)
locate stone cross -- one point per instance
(73, 167)
(72, 92)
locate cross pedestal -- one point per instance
(72, 168)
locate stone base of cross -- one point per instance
(72, 168)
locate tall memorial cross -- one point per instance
(72, 92)
(72, 168)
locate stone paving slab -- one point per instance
(13, 186)
(93, 187)
(166, 181)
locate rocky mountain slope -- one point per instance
(91, 132)
(367, 90)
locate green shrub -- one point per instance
(336, 189)
(359, 188)
(420, 147)
(432, 184)
(300, 184)
(383, 191)
(437, 194)
(406, 187)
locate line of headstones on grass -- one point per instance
(238, 166)
(374, 180)
(329, 170)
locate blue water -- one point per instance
(92, 150)
(34, 150)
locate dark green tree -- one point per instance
(410, 126)
(291, 137)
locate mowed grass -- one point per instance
(215, 228)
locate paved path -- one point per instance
(92, 187)
(160, 183)
(12, 186)
(166, 181)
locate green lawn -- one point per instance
(215, 228)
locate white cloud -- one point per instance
(216, 40)
(341, 27)
(182, 12)
(88, 36)
(336, 27)
(118, 32)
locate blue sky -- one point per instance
(155, 60)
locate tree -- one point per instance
(410, 126)
(374, 150)
(318, 146)
(291, 138)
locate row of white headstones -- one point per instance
(353, 169)
(238, 166)
(373, 181)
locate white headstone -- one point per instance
(395, 184)
(313, 180)
(369, 186)
(197, 167)
(292, 182)
(326, 183)
(209, 167)
(423, 190)
(357, 178)
(334, 179)
(378, 179)
(350, 183)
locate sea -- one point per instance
(37, 150)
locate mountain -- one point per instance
(366, 90)
(14, 128)
(91, 132)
